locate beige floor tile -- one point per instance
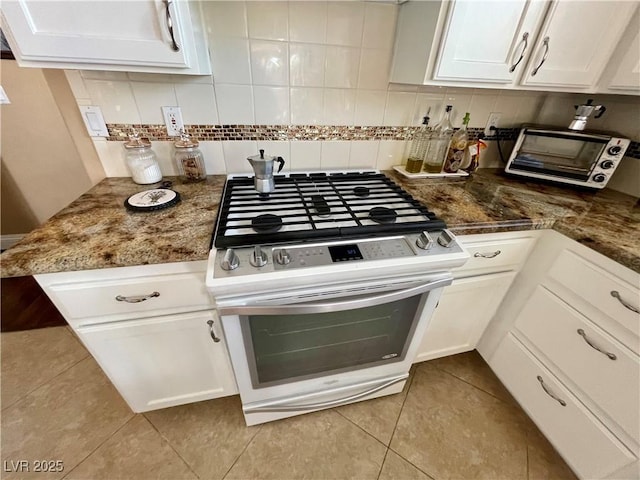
(136, 451)
(209, 435)
(66, 419)
(397, 468)
(545, 463)
(450, 429)
(379, 416)
(472, 368)
(32, 358)
(320, 445)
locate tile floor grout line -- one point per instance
(431, 477)
(242, 452)
(473, 385)
(99, 445)
(356, 425)
(170, 445)
(18, 400)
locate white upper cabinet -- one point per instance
(142, 36)
(622, 75)
(488, 41)
(562, 45)
(576, 42)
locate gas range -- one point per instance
(321, 227)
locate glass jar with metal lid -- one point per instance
(189, 159)
(141, 160)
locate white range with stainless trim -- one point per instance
(325, 288)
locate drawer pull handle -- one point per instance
(487, 255)
(211, 332)
(550, 393)
(612, 356)
(615, 294)
(138, 299)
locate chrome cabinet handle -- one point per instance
(211, 332)
(615, 294)
(487, 255)
(330, 403)
(167, 5)
(545, 42)
(525, 39)
(550, 393)
(137, 299)
(612, 356)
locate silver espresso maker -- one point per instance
(263, 168)
(583, 112)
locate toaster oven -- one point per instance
(576, 158)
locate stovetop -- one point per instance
(318, 206)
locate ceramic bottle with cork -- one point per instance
(141, 160)
(455, 154)
(418, 147)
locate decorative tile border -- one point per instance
(120, 132)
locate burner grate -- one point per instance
(317, 206)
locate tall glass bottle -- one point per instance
(439, 144)
(418, 147)
(455, 154)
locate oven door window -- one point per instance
(562, 156)
(285, 348)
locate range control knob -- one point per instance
(230, 260)
(446, 238)
(282, 256)
(258, 257)
(615, 150)
(424, 241)
(599, 177)
(606, 164)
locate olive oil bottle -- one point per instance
(418, 147)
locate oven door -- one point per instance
(333, 350)
(557, 154)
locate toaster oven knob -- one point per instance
(615, 150)
(282, 256)
(599, 177)
(606, 164)
(258, 257)
(230, 261)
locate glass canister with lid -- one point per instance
(141, 160)
(189, 159)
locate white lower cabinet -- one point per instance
(586, 444)
(464, 310)
(165, 361)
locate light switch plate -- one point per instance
(4, 100)
(94, 121)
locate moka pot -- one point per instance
(263, 167)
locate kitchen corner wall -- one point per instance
(307, 81)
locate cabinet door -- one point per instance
(626, 74)
(164, 361)
(483, 41)
(464, 310)
(133, 36)
(576, 42)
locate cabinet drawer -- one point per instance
(595, 285)
(613, 384)
(495, 255)
(585, 443)
(124, 296)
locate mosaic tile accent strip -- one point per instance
(120, 132)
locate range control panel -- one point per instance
(259, 259)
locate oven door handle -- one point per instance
(327, 404)
(327, 307)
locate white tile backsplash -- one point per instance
(341, 67)
(197, 103)
(379, 25)
(370, 106)
(236, 154)
(306, 64)
(213, 158)
(150, 97)
(335, 155)
(305, 155)
(230, 60)
(76, 82)
(374, 68)
(235, 104)
(364, 154)
(112, 157)
(308, 22)
(399, 108)
(269, 62)
(115, 99)
(390, 153)
(225, 19)
(339, 106)
(307, 106)
(271, 105)
(268, 20)
(345, 22)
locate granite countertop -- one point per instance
(96, 231)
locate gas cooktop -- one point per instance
(318, 206)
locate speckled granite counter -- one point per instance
(96, 231)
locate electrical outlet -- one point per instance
(492, 121)
(173, 120)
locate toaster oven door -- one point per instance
(558, 154)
